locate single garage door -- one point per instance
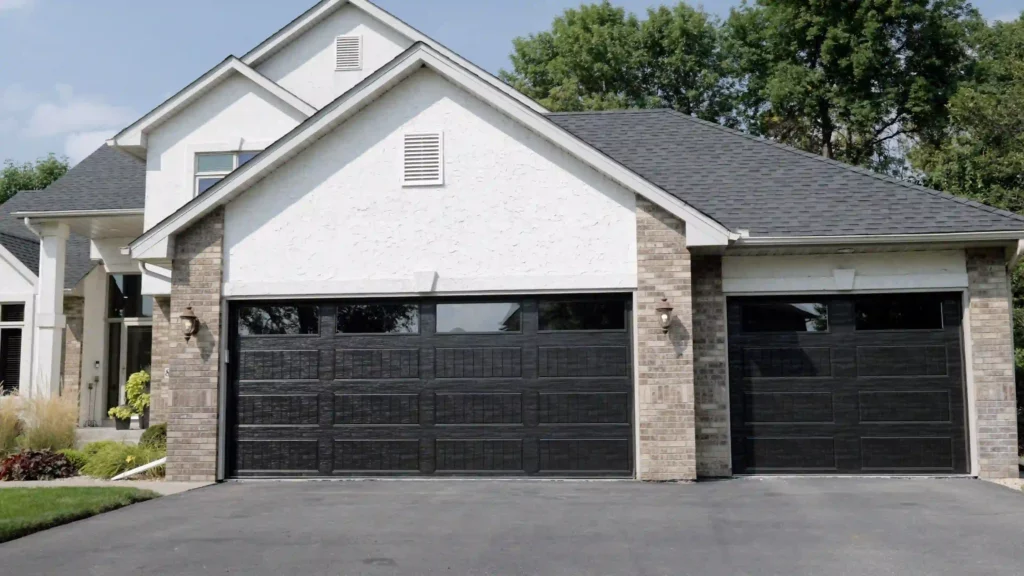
(864, 384)
(503, 386)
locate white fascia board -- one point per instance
(1008, 235)
(37, 215)
(134, 136)
(18, 266)
(701, 230)
(314, 15)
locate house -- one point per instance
(401, 266)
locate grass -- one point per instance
(27, 510)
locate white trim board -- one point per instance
(318, 13)
(134, 136)
(701, 229)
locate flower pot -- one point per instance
(144, 419)
(125, 424)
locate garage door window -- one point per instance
(391, 318)
(271, 320)
(479, 318)
(582, 315)
(906, 312)
(784, 317)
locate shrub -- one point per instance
(135, 391)
(32, 465)
(10, 424)
(122, 412)
(116, 458)
(48, 423)
(76, 457)
(155, 437)
(93, 448)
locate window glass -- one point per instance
(479, 317)
(204, 184)
(12, 313)
(125, 299)
(784, 317)
(394, 318)
(10, 359)
(269, 320)
(215, 163)
(244, 157)
(906, 312)
(583, 315)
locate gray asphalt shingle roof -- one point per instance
(108, 179)
(749, 183)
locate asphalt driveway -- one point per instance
(743, 526)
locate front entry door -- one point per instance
(131, 350)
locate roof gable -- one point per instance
(701, 230)
(325, 8)
(133, 138)
(773, 190)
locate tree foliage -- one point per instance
(598, 57)
(847, 79)
(36, 175)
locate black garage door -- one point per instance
(868, 384)
(504, 386)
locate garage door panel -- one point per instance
(422, 402)
(884, 392)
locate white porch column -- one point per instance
(50, 320)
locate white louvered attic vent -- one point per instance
(349, 52)
(423, 159)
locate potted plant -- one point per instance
(137, 391)
(122, 416)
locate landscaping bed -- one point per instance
(27, 510)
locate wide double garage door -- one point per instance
(504, 386)
(863, 384)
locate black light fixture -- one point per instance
(189, 323)
(665, 315)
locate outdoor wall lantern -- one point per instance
(189, 323)
(665, 315)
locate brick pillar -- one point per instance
(991, 338)
(710, 368)
(71, 363)
(665, 361)
(193, 411)
(158, 384)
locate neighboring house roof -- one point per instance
(108, 179)
(701, 230)
(325, 8)
(134, 136)
(770, 189)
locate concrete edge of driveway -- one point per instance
(162, 488)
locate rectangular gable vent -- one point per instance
(349, 52)
(423, 160)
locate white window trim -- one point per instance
(440, 160)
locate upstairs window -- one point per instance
(212, 168)
(348, 53)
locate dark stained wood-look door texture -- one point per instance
(523, 403)
(843, 400)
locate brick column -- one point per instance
(710, 368)
(158, 384)
(193, 386)
(665, 361)
(71, 373)
(991, 339)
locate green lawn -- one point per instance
(27, 510)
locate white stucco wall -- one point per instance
(877, 272)
(306, 67)
(516, 213)
(235, 115)
(19, 288)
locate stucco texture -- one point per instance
(515, 213)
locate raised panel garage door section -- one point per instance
(505, 386)
(867, 384)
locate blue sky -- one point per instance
(72, 72)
